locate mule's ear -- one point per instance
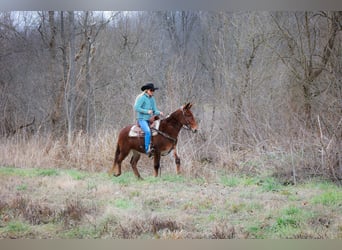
(188, 106)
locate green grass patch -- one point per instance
(22, 187)
(173, 178)
(270, 185)
(76, 174)
(256, 231)
(238, 180)
(86, 232)
(249, 181)
(125, 179)
(237, 208)
(288, 223)
(14, 227)
(329, 198)
(37, 172)
(164, 178)
(321, 185)
(230, 181)
(285, 224)
(47, 172)
(28, 172)
(124, 203)
(12, 171)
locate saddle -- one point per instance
(136, 131)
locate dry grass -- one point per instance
(55, 190)
(94, 205)
(86, 152)
(292, 161)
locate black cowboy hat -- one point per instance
(148, 86)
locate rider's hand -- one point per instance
(150, 112)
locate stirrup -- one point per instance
(150, 150)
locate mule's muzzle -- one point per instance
(194, 130)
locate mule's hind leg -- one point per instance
(120, 155)
(134, 161)
(115, 169)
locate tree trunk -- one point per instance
(71, 81)
(56, 117)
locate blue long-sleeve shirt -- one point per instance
(143, 104)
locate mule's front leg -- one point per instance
(156, 163)
(177, 161)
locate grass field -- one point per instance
(65, 204)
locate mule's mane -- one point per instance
(173, 116)
(177, 119)
(172, 120)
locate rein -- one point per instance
(174, 140)
(168, 137)
(165, 135)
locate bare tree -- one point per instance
(91, 27)
(70, 91)
(309, 39)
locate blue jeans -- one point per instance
(146, 128)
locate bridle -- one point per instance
(187, 125)
(174, 140)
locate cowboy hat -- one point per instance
(148, 86)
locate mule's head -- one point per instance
(188, 119)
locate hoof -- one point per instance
(110, 173)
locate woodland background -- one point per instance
(266, 87)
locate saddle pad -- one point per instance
(136, 131)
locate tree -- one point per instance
(308, 39)
(70, 90)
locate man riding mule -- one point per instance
(164, 141)
(145, 106)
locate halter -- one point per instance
(187, 125)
